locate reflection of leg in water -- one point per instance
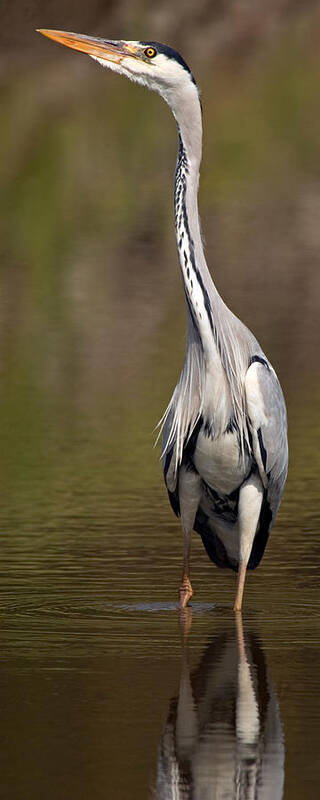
(186, 720)
(223, 733)
(247, 712)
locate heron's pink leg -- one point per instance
(185, 590)
(250, 500)
(189, 498)
(240, 586)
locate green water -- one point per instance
(93, 655)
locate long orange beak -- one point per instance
(100, 48)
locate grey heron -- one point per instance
(224, 432)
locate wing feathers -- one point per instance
(268, 425)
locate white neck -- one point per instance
(218, 345)
(199, 286)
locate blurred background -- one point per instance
(92, 317)
(92, 311)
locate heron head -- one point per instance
(154, 65)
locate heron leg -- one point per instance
(250, 500)
(240, 585)
(189, 497)
(185, 589)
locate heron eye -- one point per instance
(150, 52)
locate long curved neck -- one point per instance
(218, 345)
(198, 284)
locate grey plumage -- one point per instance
(224, 432)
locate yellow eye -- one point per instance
(150, 52)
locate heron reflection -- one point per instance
(223, 736)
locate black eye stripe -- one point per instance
(167, 51)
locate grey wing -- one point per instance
(169, 463)
(168, 456)
(267, 417)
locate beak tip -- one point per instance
(92, 46)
